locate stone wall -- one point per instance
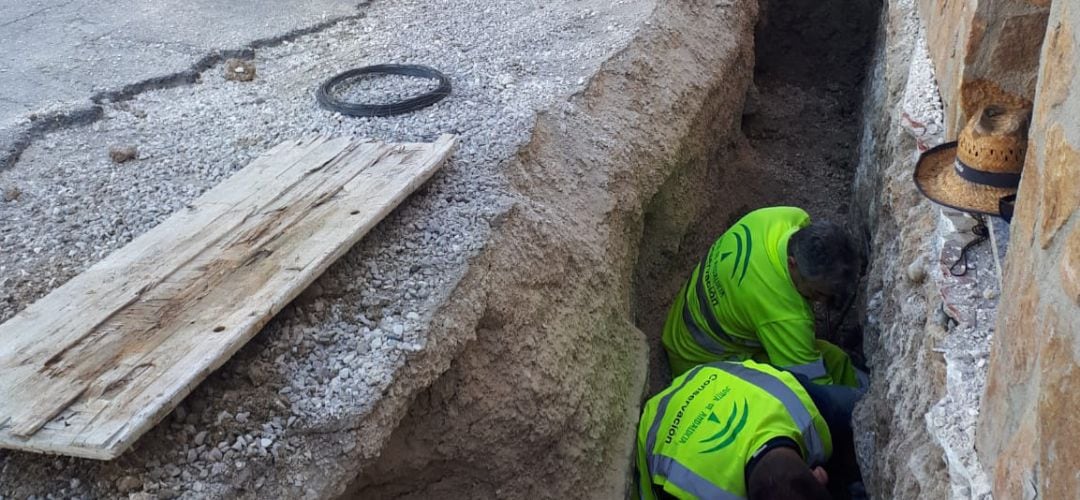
(984, 50)
(1028, 432)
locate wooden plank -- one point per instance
(90, 367)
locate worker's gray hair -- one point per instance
(826, 255)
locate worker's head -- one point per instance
(824, 262)
(782, 474)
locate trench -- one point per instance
(798, 146)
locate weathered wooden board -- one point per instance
(93, 365)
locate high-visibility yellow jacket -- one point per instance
(740, 303)
(696, 437)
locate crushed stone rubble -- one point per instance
(922, 113)
(330, 355)
(966, 348)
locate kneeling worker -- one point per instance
(749, 298)
(730, 430)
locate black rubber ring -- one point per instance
(327, 100)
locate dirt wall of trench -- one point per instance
(543, 400)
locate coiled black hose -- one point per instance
(325, 94)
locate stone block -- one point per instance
(984, 51)
(1070, 266)
(1058, 71)
(1012, 379)
(974, 39)
(1058, 408)
(1061, 188)
(1021, 330)
(1027, 206)
(1017, 48)
(952, 34)
(1027, 429)
(1016, 477)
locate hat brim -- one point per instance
(936, 178)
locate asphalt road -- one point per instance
(56, 54)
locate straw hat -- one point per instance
(977, 171)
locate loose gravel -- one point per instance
(333, 352)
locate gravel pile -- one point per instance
(333, 352)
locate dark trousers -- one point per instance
(836, 404)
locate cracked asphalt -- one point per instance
(59, 53)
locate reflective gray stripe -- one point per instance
(688, 480)
(815, 449)
(812, 370)
(661, 409)
(703, 340)
(701, 333)
(667, 467)
(703, 302)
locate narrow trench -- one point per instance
(799, 147)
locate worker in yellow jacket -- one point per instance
(728, 430)
(749, 298)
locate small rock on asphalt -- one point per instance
(12, 194)
(121, 154)
(239, 70)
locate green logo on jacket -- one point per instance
(730, 432)
(742, 258)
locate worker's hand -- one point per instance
(820, 475)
